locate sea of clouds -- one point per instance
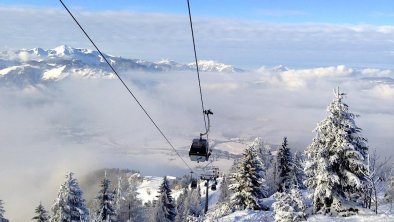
(84, 124)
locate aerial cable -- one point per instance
(197, 68)
(210, 162)
(128, 89)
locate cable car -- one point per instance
(213, 187)
(193, 184)
(215, 171)
(199, 150)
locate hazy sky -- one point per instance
(248, 34)
(285, 11)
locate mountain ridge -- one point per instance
(61, 62)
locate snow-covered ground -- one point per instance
(248, 216)
(148, 189)
(385, 215)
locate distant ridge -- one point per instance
(34, 65)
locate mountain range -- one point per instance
(31, 66)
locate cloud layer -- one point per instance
(83, 124)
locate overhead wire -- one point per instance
(197, 68)
(127, 88)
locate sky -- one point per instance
(351, 11)
(247, 34)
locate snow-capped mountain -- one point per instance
(35, 65)
(212, 66)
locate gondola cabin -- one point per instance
(199, 151)
(213, 187)
(193, 184)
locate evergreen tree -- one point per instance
(390, 188)
(263, 152)
(289, 207)
(129, 205)
(336, 160)
(189, 205)
(268, 163)
(165, 210)
(41, 214)
(118, 197)
(284, 167)
(106, 201)
(224, 191)
(182, 206)
(246, 182)
(2, 211)
(69, 205)
(194, 199)
(298, 170)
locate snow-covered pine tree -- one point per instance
(289, 206)
(390, 188)
(182, 206)
(69, 205)
(298, 170)
(263, 152)
(336, 162)
(165, 210)
(246, 182)
(118, 197)
(268, 162)
(130, 206)
(224, 191)
(2, 211)
(194, 199)
(41, 214)
(284, 167)
(106, 201)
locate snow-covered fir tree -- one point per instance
(246, 183)
(41, 214)
(69, 204)
(336, 164)
(118, 197)
(2, 211)
(390, 187)
(194, 200)
(298, 170)
(189, 206)
(284, 167)
(129, 205)
(224, 191)
(289, 206)
(263, 152)
(165, 209)
(268, 162)
(182, 206)
(106, 201)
